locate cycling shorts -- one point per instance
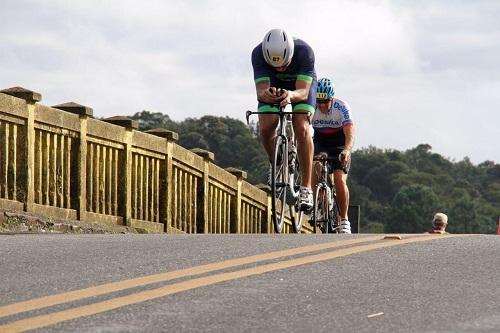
(332, 151)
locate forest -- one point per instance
(398, 191)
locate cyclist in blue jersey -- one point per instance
(334, 135)
(284, 74)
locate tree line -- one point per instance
(398, 191)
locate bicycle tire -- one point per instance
(297, 216)
(334, 214)
(319, 208)
(279, 183)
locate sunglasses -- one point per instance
(322, 101)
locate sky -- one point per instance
(412, 71)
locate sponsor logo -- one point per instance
(326, 122)
(342, 109)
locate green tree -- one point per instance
(412, 208)
(462, 214)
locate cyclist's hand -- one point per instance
(270, 95)
(286, 96)
(345, 157)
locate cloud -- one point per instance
(412, 73)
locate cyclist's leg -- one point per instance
(340, 179)
(342, 192)
(303, 134)
(267, 128)
(305, 147)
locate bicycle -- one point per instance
(285, 171)
(326, 209)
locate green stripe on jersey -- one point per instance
(306, 78)
(260, 79)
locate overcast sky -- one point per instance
(413, 71)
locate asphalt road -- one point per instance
(200, 283)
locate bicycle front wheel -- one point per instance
(297, 215)
(279, 183)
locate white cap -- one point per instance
(440, 217)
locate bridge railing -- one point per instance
(60, 162)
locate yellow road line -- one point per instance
(104, 306)
(103, 289)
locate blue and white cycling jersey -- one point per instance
(328, 127)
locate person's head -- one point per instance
(324, 94)
(277, 48)
(439, 222)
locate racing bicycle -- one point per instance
(286, 176)
(326, 209)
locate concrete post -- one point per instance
(202, 219)
(130, 125)
(31, 98)
(166, 191)
(266, 224)
(84, 113)
(236, 222)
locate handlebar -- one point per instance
(280, 112)
(323, 157)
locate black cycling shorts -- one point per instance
(332, 151)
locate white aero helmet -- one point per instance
(277, 48)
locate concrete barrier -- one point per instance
(60, 162)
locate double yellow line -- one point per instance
(138, 297)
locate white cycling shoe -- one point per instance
(345, 227)
(305, 199)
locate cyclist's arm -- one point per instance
(348, 130)
(298, 95)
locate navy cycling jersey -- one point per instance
(301, 67)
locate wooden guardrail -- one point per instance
(60, 162)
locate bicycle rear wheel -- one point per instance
(279, 183)
(320, 211)
(334, 221)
